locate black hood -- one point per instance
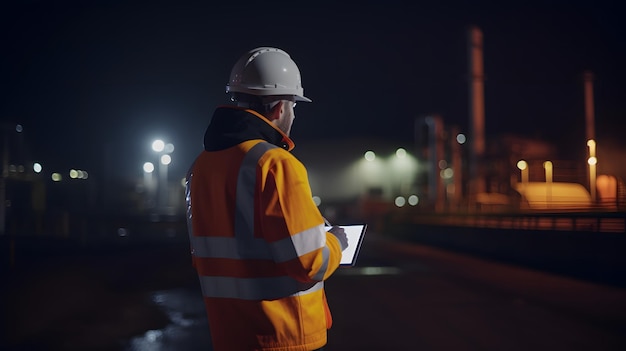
(232, 125)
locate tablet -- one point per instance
(355, 234)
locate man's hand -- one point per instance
(340, 234)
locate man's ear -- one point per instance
(276, 111)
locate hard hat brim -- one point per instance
(303, 98)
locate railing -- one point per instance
(606, 222)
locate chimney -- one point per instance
(477, 111)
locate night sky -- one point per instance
(94, 82)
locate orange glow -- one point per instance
(558, 195)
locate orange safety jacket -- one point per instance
(258, 240)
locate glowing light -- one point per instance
(414, 200)
(460, 138)
(317, 200)
(78, 174)
(158, 145)
(400, 201)
(37, 168)
(592, 161)
(523, 167)
(548, 167)
(148, 167)
(153, 335)
(401, 153)
(166, 159)
(370, 271)
(56, 177)
(370, 156)
(446, 173)
(169, 148)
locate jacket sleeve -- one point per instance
(292, 223)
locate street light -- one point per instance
(158, 145)
(592, 161)
(523, 166)
(148, 169)
(548, 167)
(164, 149)
(165, 160)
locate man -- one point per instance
(258, 241)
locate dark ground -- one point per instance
(401, 296)
(87, 299)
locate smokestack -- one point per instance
(477, 110)
(590, 132)
(589, 108)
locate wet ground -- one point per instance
(188, 325)
(400, 296)
(98, 299)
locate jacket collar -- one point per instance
(231, 125)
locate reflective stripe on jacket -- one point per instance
(257, 239)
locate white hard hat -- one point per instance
(266, 71)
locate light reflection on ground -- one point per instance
(373, 270)
(188, 329)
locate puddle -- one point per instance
(188, 329)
